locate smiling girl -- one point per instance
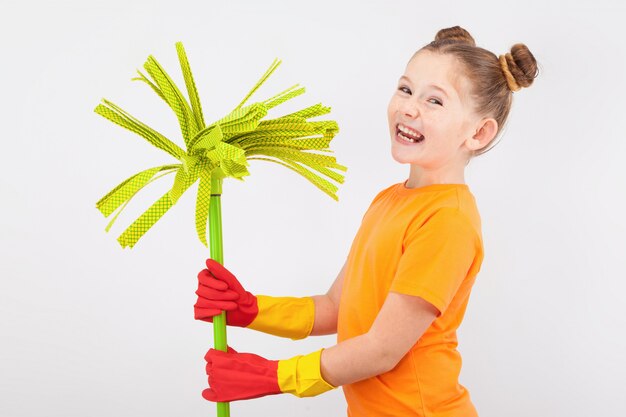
(403, 291)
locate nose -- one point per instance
(409, 108)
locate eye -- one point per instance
(405, 88)
(408, 91)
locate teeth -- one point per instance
(406, 138)
(408, 131)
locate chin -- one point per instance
(403, 157)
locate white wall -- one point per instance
(88, 329)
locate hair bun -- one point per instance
(519, 67)
(455, 34)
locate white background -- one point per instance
(89, 329)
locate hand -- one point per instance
(218, 290)
(239, 376)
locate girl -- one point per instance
(403, 291)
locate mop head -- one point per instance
(221, 149)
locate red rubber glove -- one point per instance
(239, 376)
(218, 290)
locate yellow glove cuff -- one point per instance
(291, 317)
(301, 375)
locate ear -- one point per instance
(486, 130)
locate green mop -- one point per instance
(214, 152)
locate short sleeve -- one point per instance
(437, 256)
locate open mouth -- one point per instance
(408, 135)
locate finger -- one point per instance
(209, 395)
(209, 366)
(205, 314)
(219, 271)
(212, 294)
(216, 358)
(216, 304)
(208, 358)
(205, 278)
(214, 283)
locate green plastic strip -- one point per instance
(221, 149)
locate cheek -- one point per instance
(441, 123)
(391, 117)
(394, 104)
(390, 109)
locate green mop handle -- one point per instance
(215, 236)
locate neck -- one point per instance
(421, 177)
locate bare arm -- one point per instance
(402, 320)
(327, 307)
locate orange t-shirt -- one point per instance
(425, 242)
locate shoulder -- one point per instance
(381, 194)
(446, 223)
(454, 209)
(450, 216)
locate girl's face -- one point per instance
(432, 98)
